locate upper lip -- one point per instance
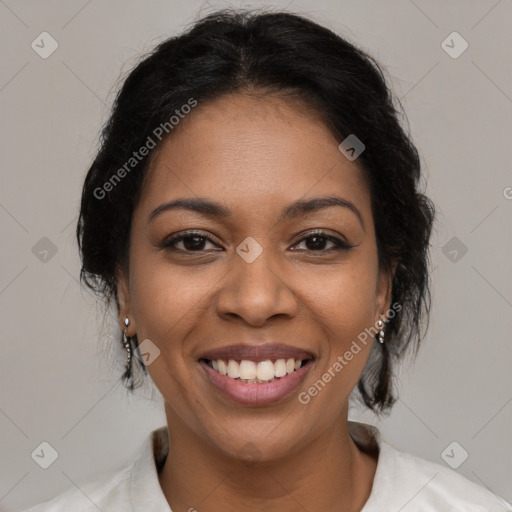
(263, 352)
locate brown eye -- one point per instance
(317, 241)
(191, 242)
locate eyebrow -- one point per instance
(297, 208)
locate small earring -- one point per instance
(126, 343)
(129, 342)
(380, 336)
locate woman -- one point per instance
(254, 214)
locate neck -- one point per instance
(330, 473)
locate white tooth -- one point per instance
(215, 366)
(223, 367)
(265, 370)
(290, 365)
(298, 362)
(233, 369)
(247, 369)
(280, 368)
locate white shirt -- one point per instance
(402, 482)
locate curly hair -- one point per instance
(233, 51)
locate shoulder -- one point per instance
(134, 486)
(108, 491)
(417, 484)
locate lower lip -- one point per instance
(254, 393)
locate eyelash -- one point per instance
(339, 243)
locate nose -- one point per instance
(256, 291)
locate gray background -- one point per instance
(60, 384)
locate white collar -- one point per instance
(144, 482)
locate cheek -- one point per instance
(167, 304)
(344, 297)
(344, 306)
(167, 300)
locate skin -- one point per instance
(255, 155)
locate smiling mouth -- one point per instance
(252, 372)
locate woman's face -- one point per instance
(265, 277)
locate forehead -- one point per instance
(251, 151)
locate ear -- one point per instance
(124, 304)
(384, 291)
